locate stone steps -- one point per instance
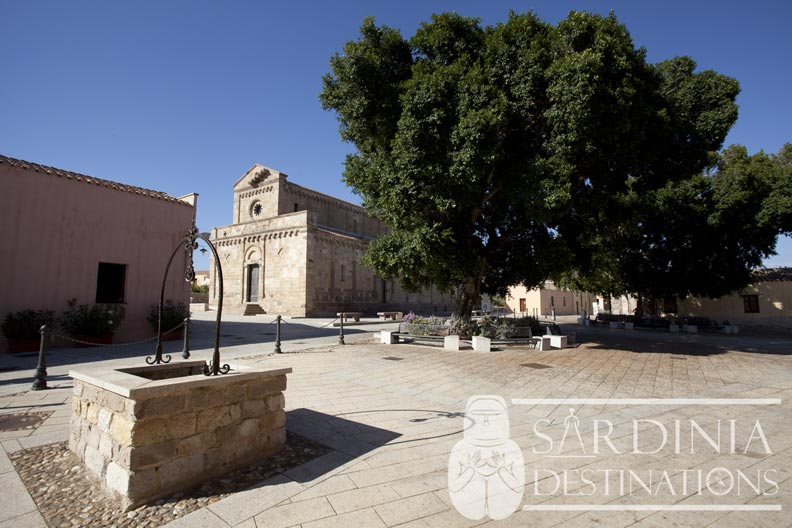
(253, 309)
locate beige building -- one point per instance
(548, 299)
(201, 278)
(765, 302)
(67, 235)
(294, 251)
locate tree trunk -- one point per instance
(465, 297)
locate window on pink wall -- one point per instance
(110, 283)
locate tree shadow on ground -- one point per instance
(202, 336)
(678, 344)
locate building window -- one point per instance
(564, 299)
(343, 273)
(552, 301)
(296, 207)
(751, 303)
(110, 283)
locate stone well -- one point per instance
(147, 431)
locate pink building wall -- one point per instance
(57, 226)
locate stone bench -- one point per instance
(394, 316)
(557, 341)
(533, 342)
(450, 342)
(346, 315)
(482, 344)
(387, 337)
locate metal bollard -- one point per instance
(40, 379)
(186, 351)
(277, 334)
(341, 331)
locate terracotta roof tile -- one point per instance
(772, 274)
(27, 165)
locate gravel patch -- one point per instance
(67, 495)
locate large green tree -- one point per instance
(505, 154)
(702, 235)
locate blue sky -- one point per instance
(184, 96)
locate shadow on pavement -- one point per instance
(678, 344)
(352, 439)
(202, 336)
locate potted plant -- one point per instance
(93, 324)
(172, 316)
(21, 329)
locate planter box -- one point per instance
(176, 335)
(106, 339)
(148, 431)
(16, 346)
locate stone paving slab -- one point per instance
(242, 506)
(392, 424)
(16, 500)
(27, 520)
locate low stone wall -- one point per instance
(168, 434)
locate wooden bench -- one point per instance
(394, 316)
(346, 315)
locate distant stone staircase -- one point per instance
(253, 309)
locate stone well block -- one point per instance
(148, 431)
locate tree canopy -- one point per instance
(507, 154)
(702, 235)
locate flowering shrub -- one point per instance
(86, 320)
(172, 315)
(432, 325)
(25, 324)
(505, 328)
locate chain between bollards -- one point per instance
(341, 331)
(40, 379)
(277, 335)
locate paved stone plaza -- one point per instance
(393, 414)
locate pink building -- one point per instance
(65, 235)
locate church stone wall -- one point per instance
(307, 247)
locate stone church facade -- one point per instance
(294, 251)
